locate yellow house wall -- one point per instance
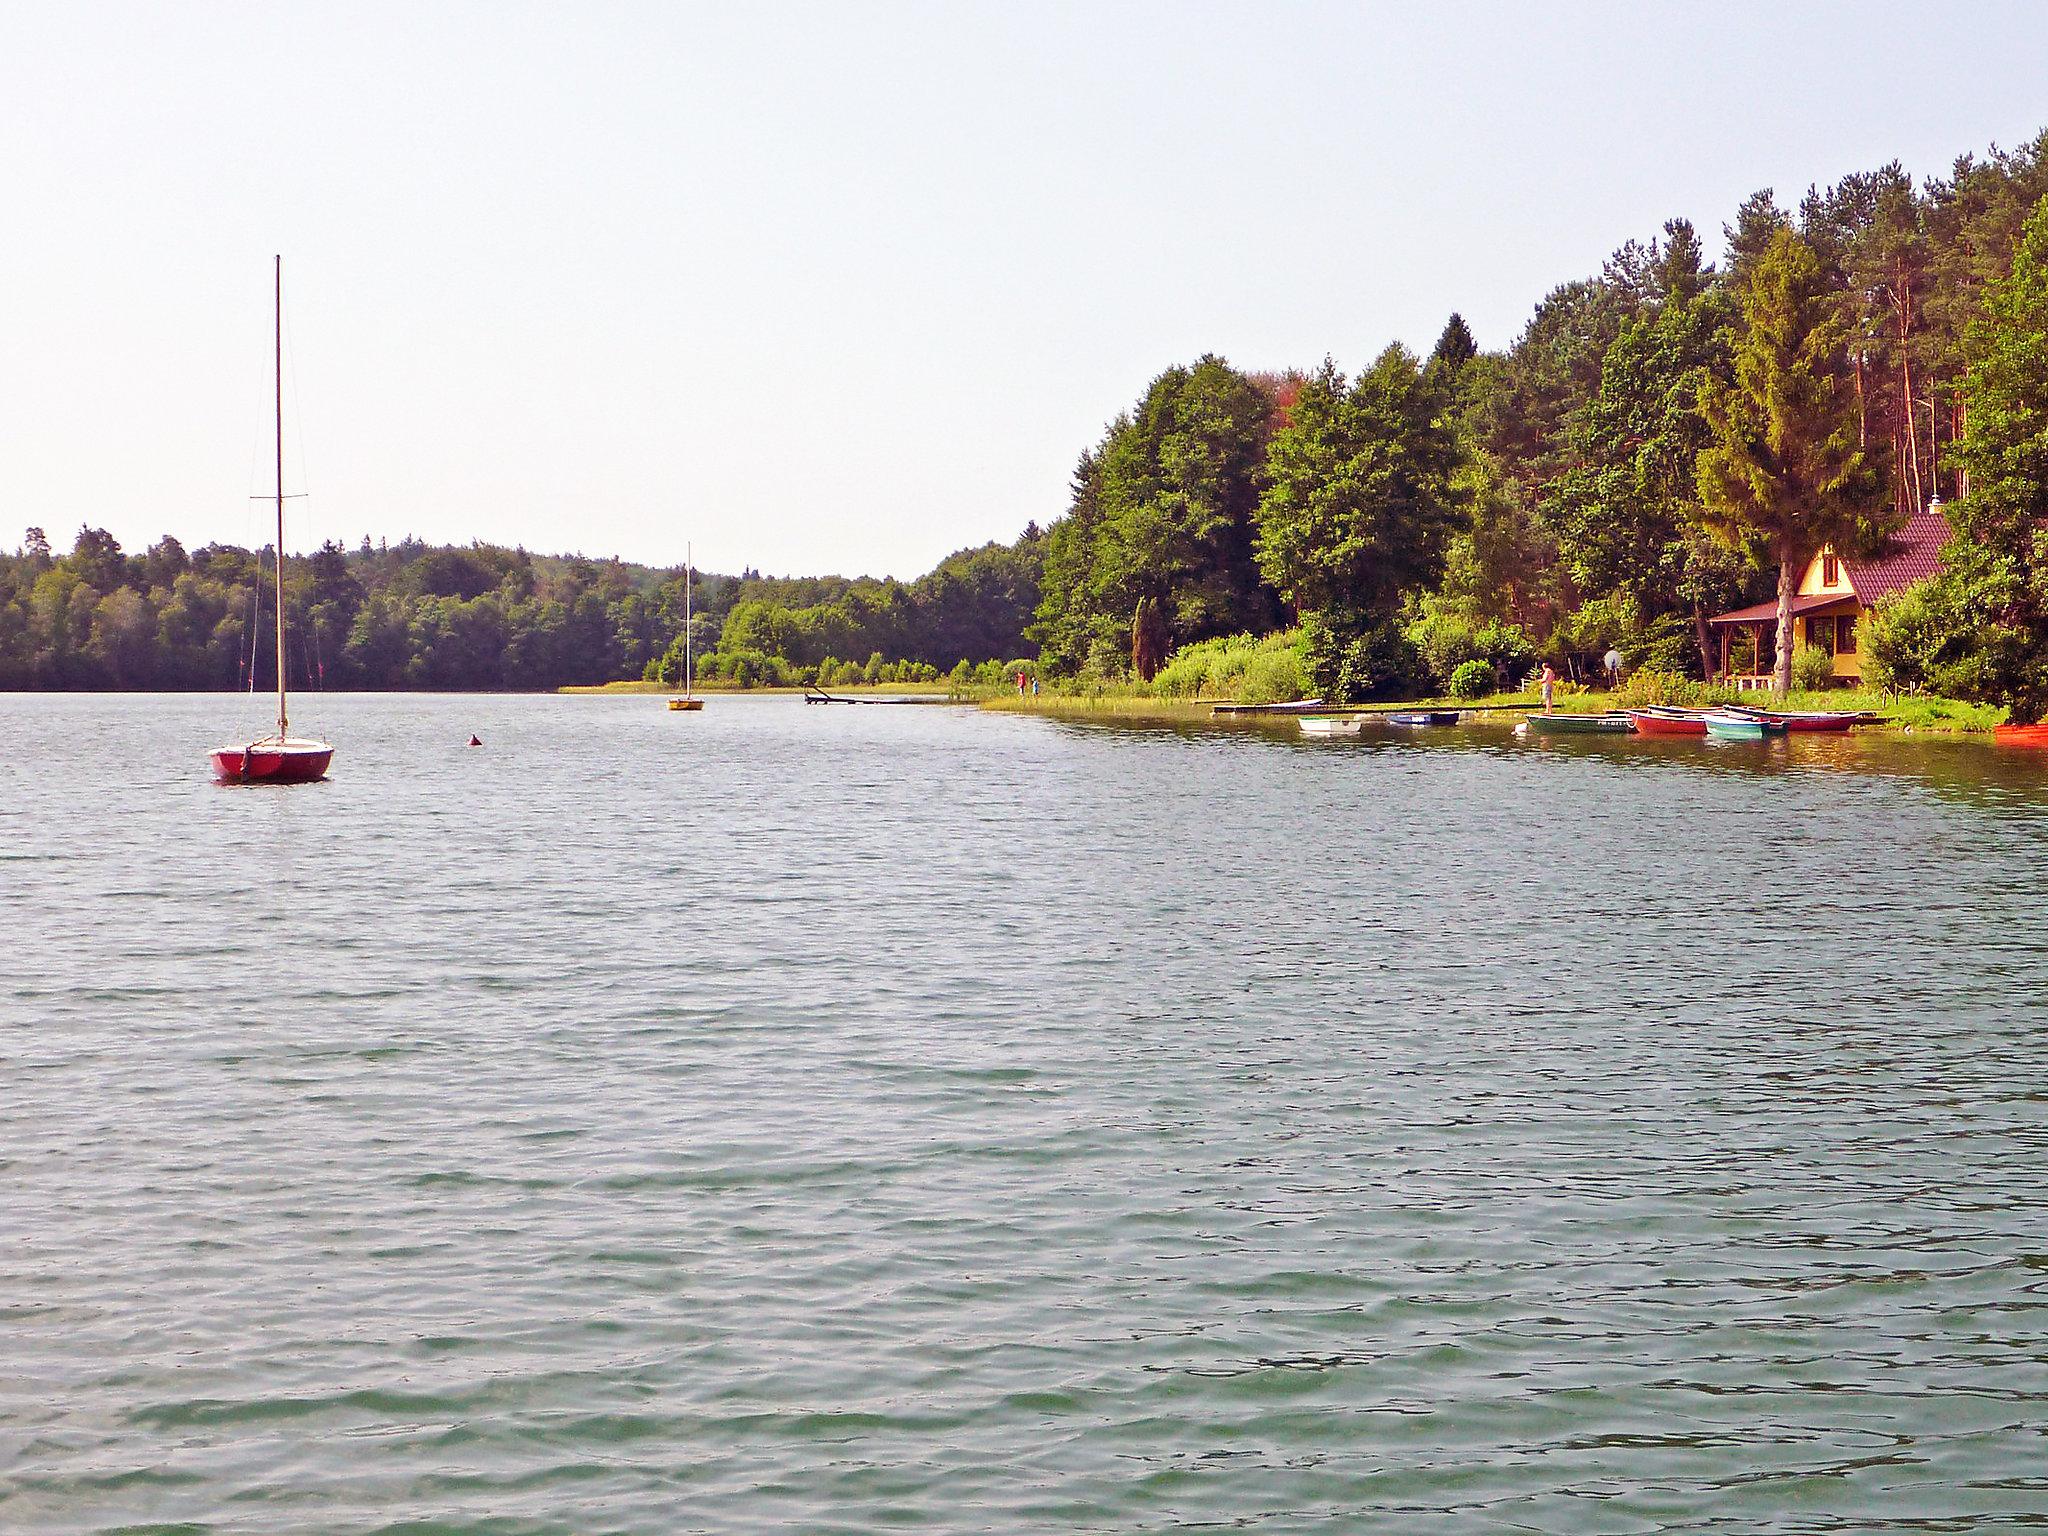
(1848, 664)
(1811, 584)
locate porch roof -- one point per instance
(1767, 613)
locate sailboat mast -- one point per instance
(689, 579)
(283, 725)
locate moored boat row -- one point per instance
(1723, 722)
(1354, 725)
(1727, 722)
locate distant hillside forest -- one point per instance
(412, 615)
(1672, 436)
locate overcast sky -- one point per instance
(834, 287)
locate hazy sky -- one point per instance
(835, 287)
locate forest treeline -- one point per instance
(411, 615)
(1669, 437)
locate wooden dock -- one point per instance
(816, 695)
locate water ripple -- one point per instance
(814, 1120)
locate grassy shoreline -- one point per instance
(1902, 715)
(670, 690)
(1930, 715)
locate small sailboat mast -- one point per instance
(274, 759)
(277, 564)
(687, 700)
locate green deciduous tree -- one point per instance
(1162, 509)
(1626, 515)
(1361, 502)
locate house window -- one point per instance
(1830, 569)
(1820, 631)
(1845, 635)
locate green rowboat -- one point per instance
(1613, 723)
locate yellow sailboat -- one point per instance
(688, 700)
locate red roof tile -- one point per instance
(1915, 555)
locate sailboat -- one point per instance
(280, 758)
(688, 700)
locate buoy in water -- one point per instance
(475, 741)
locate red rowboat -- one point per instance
(1799, 720)
(2035, 736)
(280, 758)
(1657, 722)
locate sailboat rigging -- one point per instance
(280, 758)
(688, 700)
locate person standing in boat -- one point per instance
(1549, 687)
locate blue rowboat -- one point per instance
(1729, 726)
(1424, 717)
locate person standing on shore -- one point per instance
(1549, 687)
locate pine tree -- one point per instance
(2005, 453)
(1455, 347)
(1784, 473)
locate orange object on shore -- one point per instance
(2022, 736)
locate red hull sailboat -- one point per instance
(273, 760)
(280, 758)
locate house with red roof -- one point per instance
(1829, 605)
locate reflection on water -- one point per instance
(1969, 767)
(841, 1119)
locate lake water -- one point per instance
(851, 1120)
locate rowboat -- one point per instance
(2034, 736)
(1330, 725)
(1424, 717)
(1615, 722)
(1659, 720)
(1727, 725)
(1799, 719)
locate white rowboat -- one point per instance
(1330, 725)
